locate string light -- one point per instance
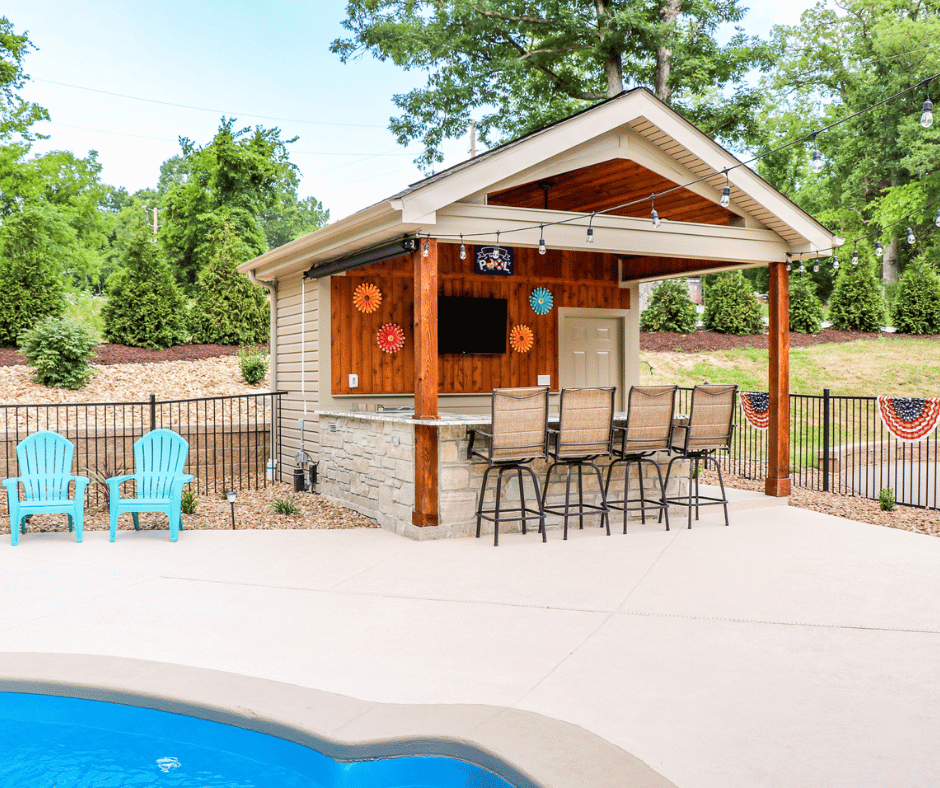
(937, 220)
(789, 260)
(879, 251)
(817, 163)
(725, 200)
(855, 257)
(802, 266)
(653, 215)
(835, 261)
(590, 230)
(911, 238)
(816, 266)
(463, 249)
(427, 248)
(926, 118)
(542, 249)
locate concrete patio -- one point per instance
(790, 649)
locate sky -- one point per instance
(263, 62)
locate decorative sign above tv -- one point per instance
(492, 260)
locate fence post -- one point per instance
(825, 467)
(153, 412)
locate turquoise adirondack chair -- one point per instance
(44, 460)
(159, 457)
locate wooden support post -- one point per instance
(777, 483)
(426, 370)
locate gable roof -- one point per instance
(633, 126)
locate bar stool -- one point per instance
(647, 431)
(709, 430)
(585, 432)
(517, 436)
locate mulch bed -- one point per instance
(708, 341)
(123, 354)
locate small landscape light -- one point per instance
(231, 496)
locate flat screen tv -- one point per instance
(466, 324)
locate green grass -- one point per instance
(896, 367)
(87, 308)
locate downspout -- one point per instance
(271, 287)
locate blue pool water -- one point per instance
(48, 742)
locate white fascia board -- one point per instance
(660, 277)
(362, 230)
(742, 176)
(614, 234)
(528, 154)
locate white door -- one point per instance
(592, 353)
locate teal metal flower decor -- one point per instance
(541, 301)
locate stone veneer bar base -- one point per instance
(367, 464)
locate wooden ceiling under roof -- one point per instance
(601, 187)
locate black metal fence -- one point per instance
(839, 444)
(230, 437)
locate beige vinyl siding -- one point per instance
(290, 331)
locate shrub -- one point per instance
(284, 506)
(228, 308)
(730, 306)
(145, 308)
(31, 282)
(806, 311)
(917, 300)
(253, 363)
(189, 502)
(670, 309)
(857, 302)
(886, 499)
(58, 349)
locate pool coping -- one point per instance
(526, 749)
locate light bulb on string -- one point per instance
(937, 220)
(789, 259)
(427, 249)
(654, 217)
(725, 200)
(855, 257)
(911, 238)
(835, 261)
(463, 249)
(926, 118)
(816, 266)
(817, 163)
(802, 266)
(542, 248)
(590, 230)
(879, 250)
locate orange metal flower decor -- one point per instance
(390, 338)
(521, 339)
(367, 298)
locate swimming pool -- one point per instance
(60, 741)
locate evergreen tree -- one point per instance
(144, 308)
(730, 306)
(670, 309)
(806, 311)
(857, 303)
(228, 309)
(31, 281)
(917, 301)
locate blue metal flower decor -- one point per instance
(541, 301)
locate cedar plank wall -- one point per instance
(575, 279)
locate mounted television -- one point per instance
(466, 324)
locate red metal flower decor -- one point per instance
(391, 338)
(521, 339)
(367, 298)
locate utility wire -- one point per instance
(227, 113)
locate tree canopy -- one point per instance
(526, 63)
